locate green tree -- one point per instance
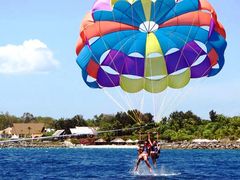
(7, 120)
(207, 134)
(182, 135)
(213, 116)
(169, 135)
(164, 120)
(27, 117)
(78, 120)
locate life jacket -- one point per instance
(146, 149)
(155, 149)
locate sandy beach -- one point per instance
(106, 146)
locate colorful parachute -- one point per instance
(150, 44)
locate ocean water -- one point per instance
(117, 164)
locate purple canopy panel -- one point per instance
(202, 69)
(115, 60)
(101, 5)
(107, 80)
(183, 58)
(212, 26)
(133, 66)
(192, 51)
(175, 62)
(124, 64)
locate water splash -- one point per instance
(161, 172)
(167, 172)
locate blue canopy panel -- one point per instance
(93, 84)
(123, 12)
(178, 36)
(104, 43)
(178, 9)
(136, 43)
(84, 56)
(160, 9)
(217, 42)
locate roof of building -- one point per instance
(100, 141)
(118, 140)
(83, 131)
(27, 128)
(7, 131)
(58, 133)
(129, 141)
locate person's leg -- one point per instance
(154, 161)
(147, 163)
(138, 162)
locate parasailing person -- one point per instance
(154, 150)
(143, 154)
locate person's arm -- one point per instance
(149, 139)
(159, 148)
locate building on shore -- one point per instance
(23, 130)
(86, 135)
(118, 141)
(100, 142)
(130, 142)
(6, 133)
(58, 133)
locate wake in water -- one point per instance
(162, 171)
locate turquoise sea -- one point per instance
(116, 164)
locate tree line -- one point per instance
(178, 126)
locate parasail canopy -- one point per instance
(150, 44)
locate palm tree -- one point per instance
(29, 129)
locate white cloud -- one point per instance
(30, 57)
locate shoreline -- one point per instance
(168, 146)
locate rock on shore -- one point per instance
(190, 145)
(33, 145)
(173, 145)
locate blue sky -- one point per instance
(52, 85)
